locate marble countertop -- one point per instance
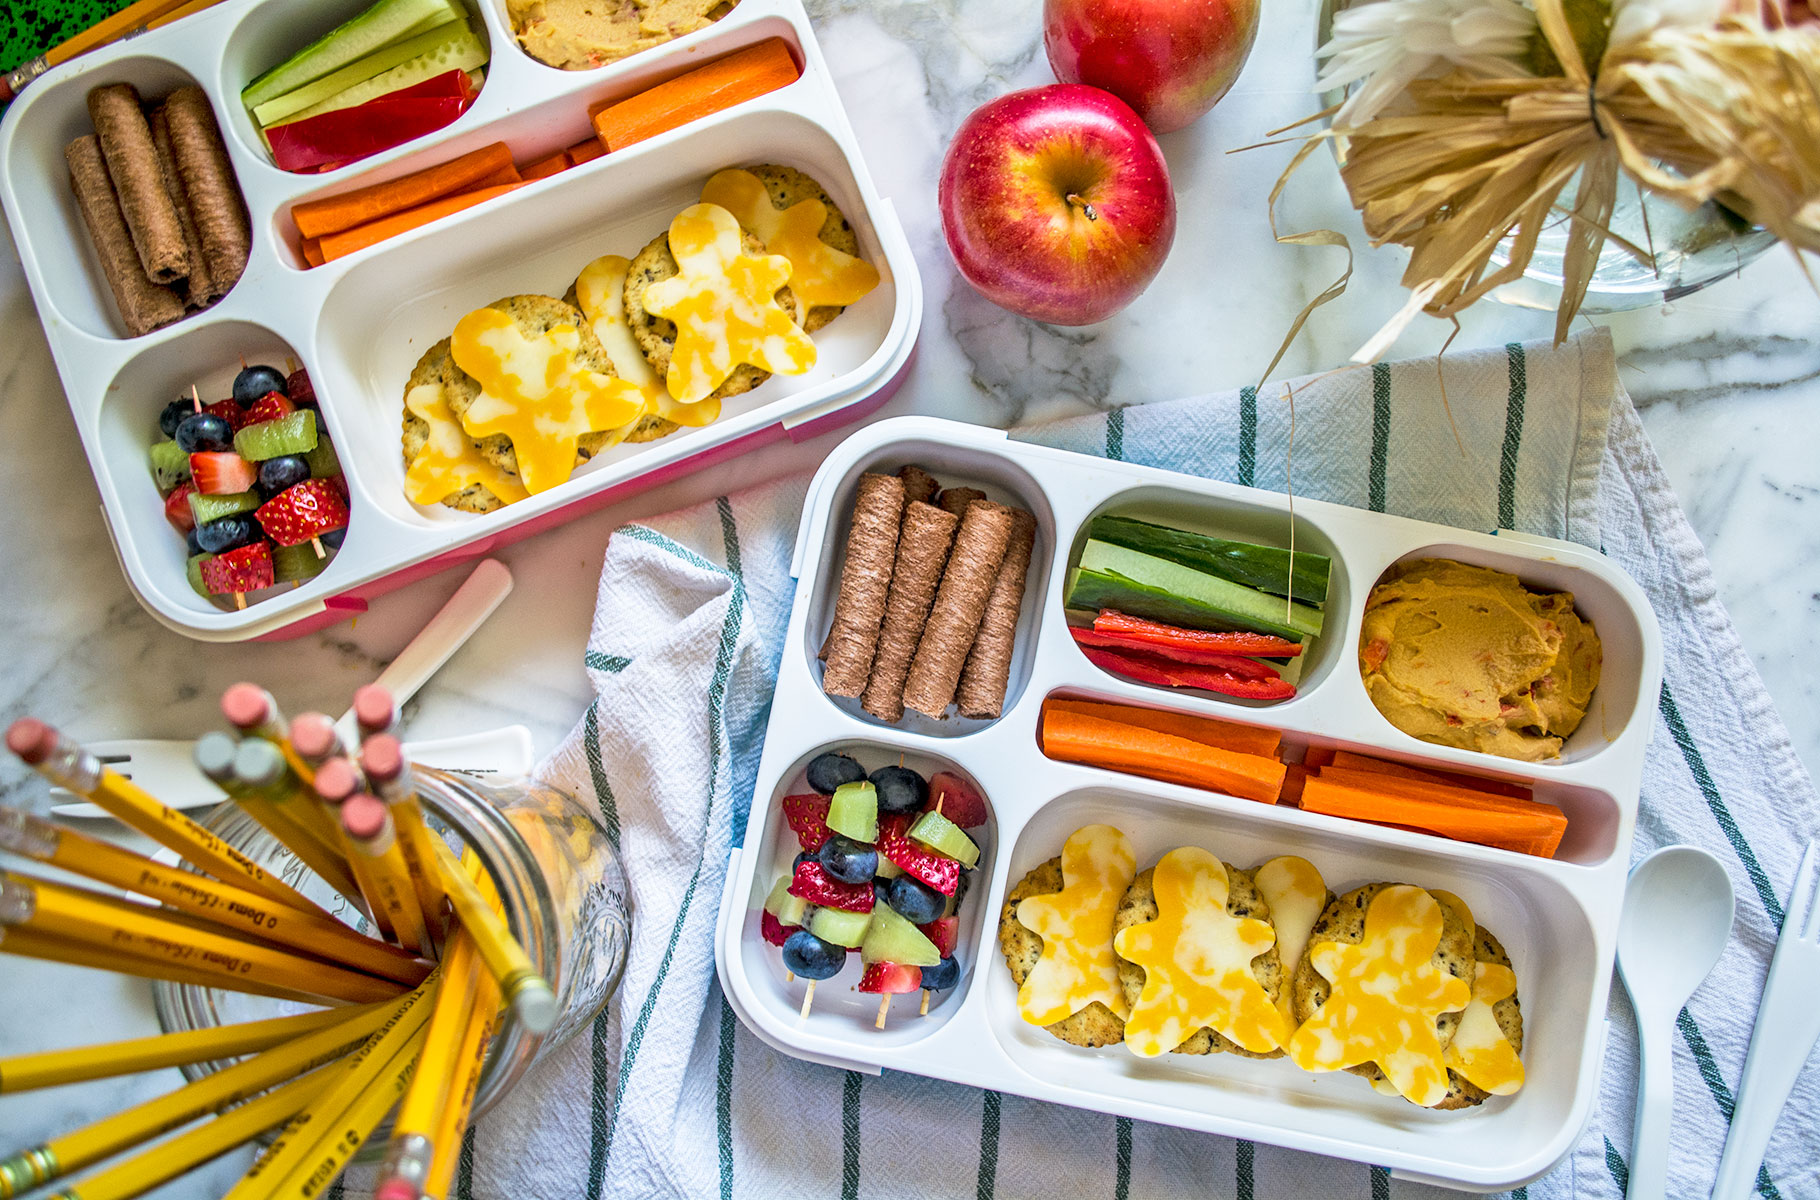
(1728, 381)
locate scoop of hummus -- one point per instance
(580, 34)
(1467, 656)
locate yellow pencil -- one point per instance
(48, 948)
(336, 781)
(54, 1068)
(68, 765)
(329, 1119)
(187, 1151)
(525, 990)
(107, 1137)
(470, 1058)
(388, 771)
(369, 828)
(86, 916)
(216, 755)
(224, 905)
(408, 1156)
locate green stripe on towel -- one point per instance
(1380, 1183)
(597, 773)
(988, 1179)
(1115, 435)
(1244, 1164)
(1248, 437)
(1614, 1163)
(464, 1167)
(1513, 436)
(723, 1099)
(849, 1136)
(1121, 1188)
(1696, 764)
(612, 664)
(1722, 1095)
(1380, 435)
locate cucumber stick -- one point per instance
(1164, 591)
(385, 22)
(462, 54)
(1267, 568)
(361, 70)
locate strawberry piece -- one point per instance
(944, 932)
(229, 410)
(939, 872)
(269, 407)
(882, 977)
(220, 472)
(297, 385)
(812, 884)
(177, 508)
(303, 511)
(960, 801)
(808, 817)
(246, 569)
(773, 930)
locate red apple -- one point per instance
(1171, 60)
(1056, 203)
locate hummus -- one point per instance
(579, 34)
(1467, 656)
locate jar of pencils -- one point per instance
(560, 890)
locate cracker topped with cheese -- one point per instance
(792, 215)
(600, 293)
(443, 465)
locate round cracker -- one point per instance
(1242, 900)
(1095, 1025)
(1344, 921)
(535, 315)
(650, 426)
(1508, 1012)
(476, 497)
(788, 187)
(656, 335)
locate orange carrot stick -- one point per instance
(312, 251)
(339, 245)
(543, 168)
(1424, 789)
(1071, 737)
(1317, 756)
(1240, 739)
(1538, 832)
(332, 214)
(1364, 762)
(745, 75)
(1295, 778)
(587, 151)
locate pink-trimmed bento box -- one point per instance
(1557, 917)
(360, 323)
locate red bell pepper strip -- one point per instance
(1159, 635)
(348, 134)
(1244, 668)
(1148, 668)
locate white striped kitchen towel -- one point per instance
(668, 1096)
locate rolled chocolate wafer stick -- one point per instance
(198, 288)
(983, 679)
(132, 164)
(956, 500)
(209, 187)
(859, 606)
(919, 485)
(960, 603)
(922, 552)
(143, 305)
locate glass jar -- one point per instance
(559, 881)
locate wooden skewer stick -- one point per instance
(808, 999)
(789, 976)
(195, 397)
(240, 601)
(924, 1010)
(316, 545)
(884, 1006)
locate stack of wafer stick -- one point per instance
(399, 1018)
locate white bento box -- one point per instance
(1557, 917)
(359, 323)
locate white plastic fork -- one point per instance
(1788, 1024)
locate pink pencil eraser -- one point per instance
(246, 705)
(313, 735)
(396, 1189)
(383, 758)
(374, 709)
(363, 815)
(31, 739)
(336, 780)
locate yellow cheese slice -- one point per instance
(1386, 994)
(819, 274)
(1078, 966)
(1296, 894)
(600, 293)
(1197, 963)
(448, 461)
(724, 304)
(534, 392)
(1479, 1051)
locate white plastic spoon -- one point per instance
(1676, 920)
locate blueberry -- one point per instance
(254, 382)
(916, 902)
(200, 433)
(848, 861)
(276, 474)
(811, 957)
(229, 533)
(173, 415)
(192, 544)
(881, 892)
(900, 790)
(801, 858)
(334, 537)
(829, 771)
(943, 975)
